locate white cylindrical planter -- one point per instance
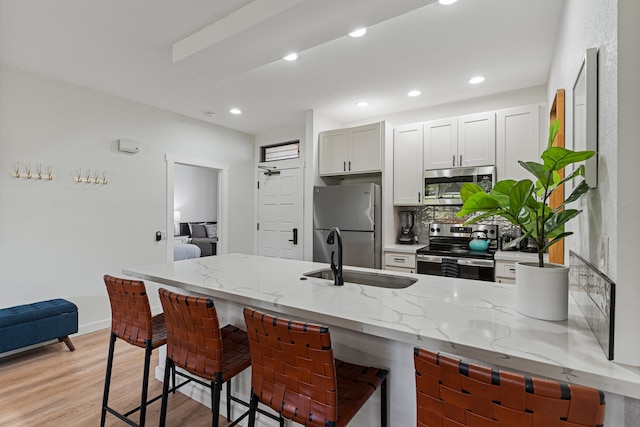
(542, 293)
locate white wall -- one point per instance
(57, 239)
(628, 151)
(611, 209)
(195, 193)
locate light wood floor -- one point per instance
(51, 386)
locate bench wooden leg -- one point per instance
(68, 342)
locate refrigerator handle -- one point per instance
(295, 236)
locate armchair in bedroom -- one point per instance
(203, 234)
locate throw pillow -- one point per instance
(212, 230)
(197, 230)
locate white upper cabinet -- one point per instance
(440, 144)
(333, 152)
(477, 140)
(466, 141)
(350, 151)
(517, 138)
(407, 165)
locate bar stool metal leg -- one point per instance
(145, 384)
(168, 367)
(228, 400)
(216, 388)
(107, 380)
(383, 403)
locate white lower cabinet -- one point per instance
(399, 261)
(506, 272)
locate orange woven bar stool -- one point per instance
(294, 373)
(132, 322)
(197, 344)
(451, 392)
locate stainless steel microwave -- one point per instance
(442, 186)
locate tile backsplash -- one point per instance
(426, 215)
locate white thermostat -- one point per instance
(128, 146)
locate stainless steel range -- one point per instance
(448, 253)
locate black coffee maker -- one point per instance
(406, 235)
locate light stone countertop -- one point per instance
(410, 249)
(472, 319)
(518, 256)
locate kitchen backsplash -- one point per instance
(426, 215)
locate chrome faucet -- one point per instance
(337, 269)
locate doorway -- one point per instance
(222, 205)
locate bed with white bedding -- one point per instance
(185, 251)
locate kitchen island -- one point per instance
(371, 325)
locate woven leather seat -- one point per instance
(451, 392)
(132, 322)
(197, 344)
(295, 374)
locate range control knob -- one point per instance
(433, 229)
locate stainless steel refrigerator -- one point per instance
(356, 210)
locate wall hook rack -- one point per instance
(28, 175)
(89, 178)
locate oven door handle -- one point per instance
(429, 258)
(476, 262)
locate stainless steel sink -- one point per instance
(380, 280)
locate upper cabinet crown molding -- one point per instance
(465, 141)
(351, 151)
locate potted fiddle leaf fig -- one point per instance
(525, 203)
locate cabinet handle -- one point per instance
(349, 164)
(460, 159)
(400, 260)
(344, 166)
(418, 197)
(454, 160)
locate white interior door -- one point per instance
(280, 214)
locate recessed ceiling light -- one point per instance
(358, 33)
(362, 104)
(475, 80)
(235, 111)
(291, 57)
(447, 2)
(414, 93)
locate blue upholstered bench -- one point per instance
(29, 324)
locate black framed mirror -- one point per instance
(585, 113)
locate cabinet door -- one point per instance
(365, 149)
(440, 144)
(477, 140)
(517, 138)
(333, 151)
(407, 165)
